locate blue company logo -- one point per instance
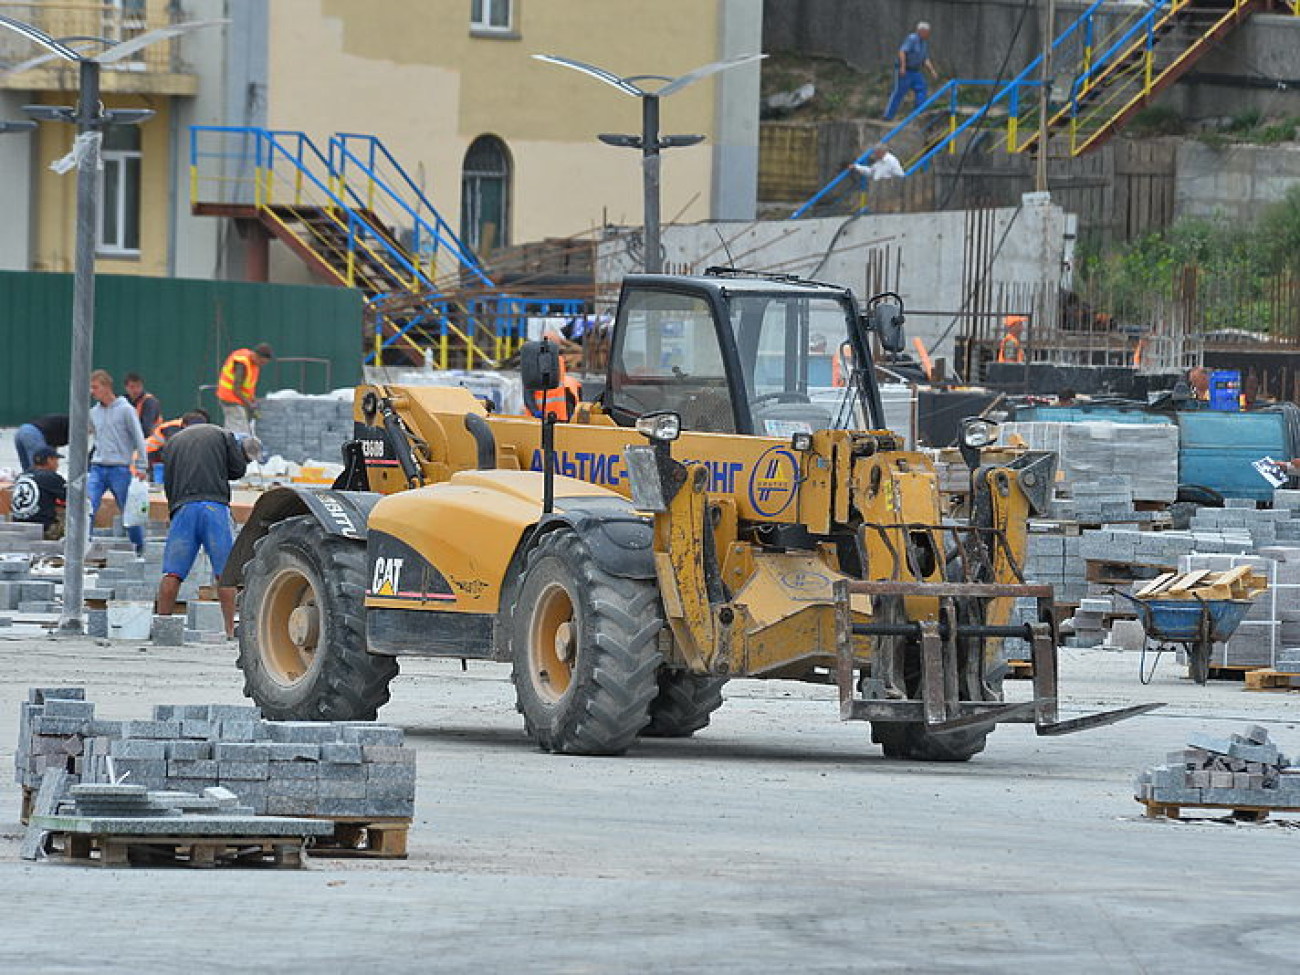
(773, 481)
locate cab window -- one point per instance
(667, 357)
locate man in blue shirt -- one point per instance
(913, 59)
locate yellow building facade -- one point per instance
(503, 145)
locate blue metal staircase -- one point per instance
(355, 216)
(1117, 57)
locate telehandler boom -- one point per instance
(731, 506)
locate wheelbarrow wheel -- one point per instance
(1198, 661)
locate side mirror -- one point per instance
(886, 320)
(539, 367)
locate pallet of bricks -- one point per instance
(1244, 773)
(357, 774)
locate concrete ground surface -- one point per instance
(778, 839)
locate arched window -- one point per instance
(485, 195)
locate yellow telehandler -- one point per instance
(731, 505)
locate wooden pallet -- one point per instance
(119, 850)
(377, 839)
(1266, 679)
(1020, 670)
(1249, 814)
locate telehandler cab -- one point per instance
(731, 506)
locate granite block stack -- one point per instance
(51, 733)
(1242, 771)
(1146, 453)
(301, 428)
(337, 770)
(23, 538)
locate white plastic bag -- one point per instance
(137, 504)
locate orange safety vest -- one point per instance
(1010, 350)
(155, 441)
(226, 381)
(562, 400)
(139, 410)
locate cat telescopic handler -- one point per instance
(732, 505)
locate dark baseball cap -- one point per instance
(44, 454)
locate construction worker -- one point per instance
(1011, 348)
(164, 432)
(562, 400)
(237, 387)
(146, 404)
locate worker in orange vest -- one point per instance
(237, 387)
(1011, 349)
(163, 432)
(562, 400)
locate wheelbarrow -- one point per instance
(1196, 623)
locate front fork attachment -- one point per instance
(940, 707)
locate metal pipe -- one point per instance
(83, 341)
(650, 161)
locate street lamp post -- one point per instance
(90, 120)
(650, 142)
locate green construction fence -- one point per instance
(175, 333)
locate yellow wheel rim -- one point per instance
(552, 643)
(289, 626)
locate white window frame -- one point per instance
(124, 20)
(118, 158)
(482, 22)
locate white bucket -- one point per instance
(129, 621)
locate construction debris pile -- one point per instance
(281, 768)
(1243, 771)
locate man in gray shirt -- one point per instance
(118, 438)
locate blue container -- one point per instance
(157, 473)
(1225, 390)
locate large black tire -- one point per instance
(585, 646)
(683, 704)
(911, 740)
(302, 631)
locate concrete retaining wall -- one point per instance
(1237, 182)
(921, 256)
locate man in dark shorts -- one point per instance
(199, 463)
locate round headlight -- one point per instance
(977, 432)
(661, 427)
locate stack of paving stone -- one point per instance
(301, 428)
(1107, 500)
(20, 593)
(1086, 452)
(1241, 517)
(1240, 771)
(287, 768)
(26, 539)
(52, 727)
(1088, 625)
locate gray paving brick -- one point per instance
(387, 754)
(293, 751)
(381, 789)
(342, 772)
(142, 748)
(43, 725)
(237, 771)
(387, 772)
(344, 752)
(226, 751)
(198, 728)
(294, 770)
(289, 806)
(294, 788)
(301, 731)
(343, 807)
(151, 729)
(335, 789)
(370, 734)
(189, 750)
(234, 712)
(66, 708)
(205, 769)
(390, 808)
(236, 730)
